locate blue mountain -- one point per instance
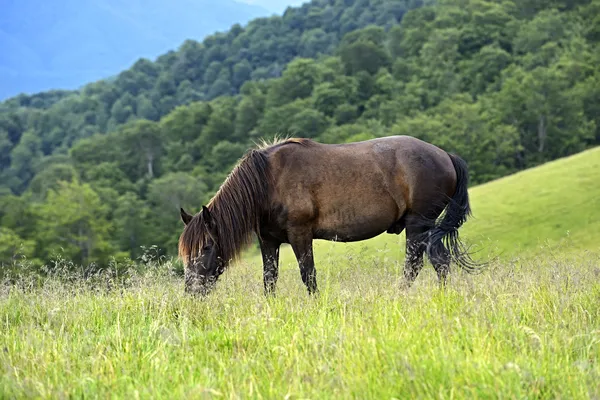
(64, 44)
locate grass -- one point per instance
(526, 328)
(556, 204)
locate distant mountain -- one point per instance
(63, 44)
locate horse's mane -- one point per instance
(237, 206)
(277, 141)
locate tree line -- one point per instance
(101, 173)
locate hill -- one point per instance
(550, 210)
(66, 44)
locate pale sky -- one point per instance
(277, 6)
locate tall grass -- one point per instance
(526, 329)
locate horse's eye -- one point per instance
(206, 248)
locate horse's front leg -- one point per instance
(301, 242)
(270, 256)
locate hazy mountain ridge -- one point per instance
(67, 44)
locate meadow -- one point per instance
(528, 327)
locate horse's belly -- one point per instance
(338, 235)
(348, 225)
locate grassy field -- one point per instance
(519, 331)
(526, 328)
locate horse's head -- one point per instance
(204, 263)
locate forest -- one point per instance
(98, 175)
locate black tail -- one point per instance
(444, 235)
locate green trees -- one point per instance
(72, 222)
(507, 85)
(364, 50)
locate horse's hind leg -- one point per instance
(415, 248)
(418, 241)
(441, 264)
(270, 256)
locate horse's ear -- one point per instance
(185, 217)
(208, 219)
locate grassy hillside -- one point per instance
(551, 208)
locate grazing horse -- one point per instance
(297, 190)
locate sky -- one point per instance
(65, 44)
(277, 6)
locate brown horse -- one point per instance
(297, 190)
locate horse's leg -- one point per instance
(301, 242)
(441, 264)
(270, 256)
(415, 247)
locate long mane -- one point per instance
(237, 207)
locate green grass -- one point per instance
(519, 331)
(555, 204)
(525, 328)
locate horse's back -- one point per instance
(410, 163)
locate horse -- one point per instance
(297, 190)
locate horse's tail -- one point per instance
(445, 232)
